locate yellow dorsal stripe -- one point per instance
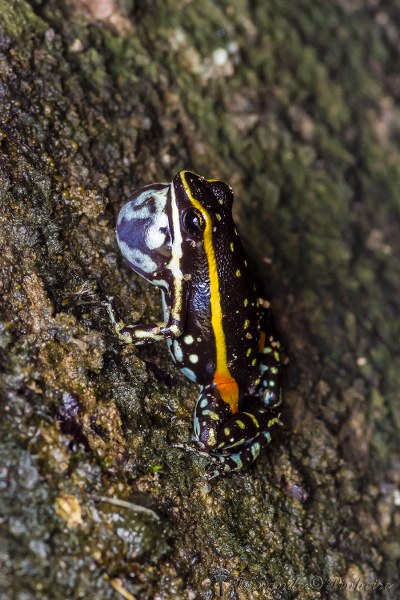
(223, 378)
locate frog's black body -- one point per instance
(182, 238)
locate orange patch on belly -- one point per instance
(228, 390)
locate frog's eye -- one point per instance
(193, 221)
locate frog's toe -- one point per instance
(212, 474)
(189, 448)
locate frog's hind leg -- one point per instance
(222, 433)
(234, 461)
(234, 441)
(234, 453)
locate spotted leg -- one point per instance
(270, 364)
(235, 440)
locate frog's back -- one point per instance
(221, 334)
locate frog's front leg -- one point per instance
(153, 332)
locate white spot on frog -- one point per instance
(191, 375)
(139, 259)
(155, 237)
(177, 351)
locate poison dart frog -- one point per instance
(182, 238)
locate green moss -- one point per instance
(19, 20)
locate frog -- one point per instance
(181, 237)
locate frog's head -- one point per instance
(201, 202)
(165, 229)
(143, 230)
(205, 211)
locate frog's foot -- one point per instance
(225, 463)
(189, 448)
(112, 312)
